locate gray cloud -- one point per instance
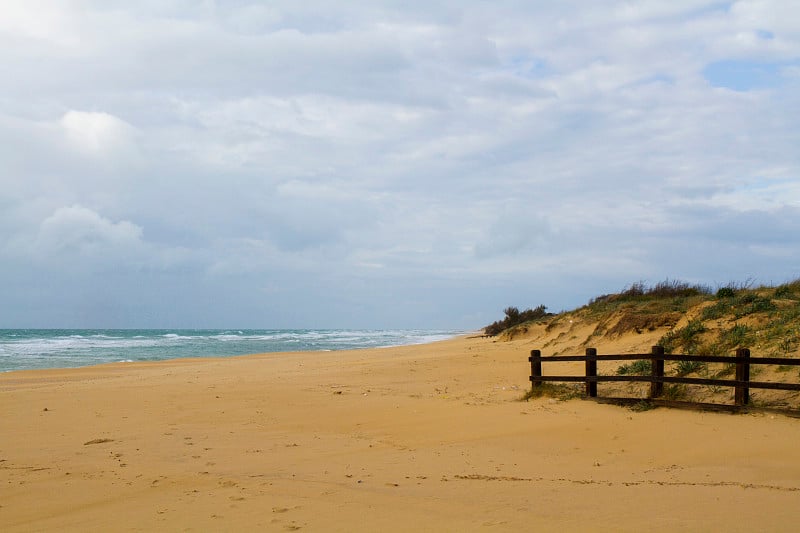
(377, 164)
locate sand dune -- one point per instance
(424, 438)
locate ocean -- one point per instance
(25, 349)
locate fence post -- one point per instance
(742, 394)
(657, 371)
(591, 372)
(536, 368)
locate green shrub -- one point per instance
(726, 292)
(783, 292)
(754, 304)
(788, 344)
(718, 310)
(662, 290)
(788, 290)
(736, 337)
(740, 306)
(561, 391)
(642, 406)
(671, 289)
(695, 327)
(675, 391)
(668, 341)
(688, 367)
(638, 367)
(514, 317)
(684, 338)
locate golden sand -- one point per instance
(419, 438)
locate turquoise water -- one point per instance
(23, 349)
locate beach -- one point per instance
(428, 437)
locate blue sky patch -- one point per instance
(765, 34)
(744, 75)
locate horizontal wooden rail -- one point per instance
(670, 379)
(742, 360)
(676, 357)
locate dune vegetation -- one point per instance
(683, 318)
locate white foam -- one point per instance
(77, 348)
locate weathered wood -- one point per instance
(657, 371)
(676, 357)
(591, 372)
(675, 379)
(536, 368)
(742, 394)
(657, 379)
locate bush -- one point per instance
(726, 292)
(513, 318)
(676, 288)
(638, 367)
(755, 304)
(735, 337)
(688, 367)
(662, 290)
(788, 290)
(718, 310)
(685, 337)
(783, 292)
(739, 306)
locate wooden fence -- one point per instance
(742, 383)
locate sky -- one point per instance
(368, 164)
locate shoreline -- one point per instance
(430, 437)
(70, 348)
(219, 358)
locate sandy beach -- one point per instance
(425, 438)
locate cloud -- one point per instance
(97, 133)
(516, 234)
(368, 164)
(39, 21)
(79, 230)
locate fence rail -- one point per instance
(741, 384)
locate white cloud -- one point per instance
(39, 20)
(79, 230)
(762, 195)
(348, 152)
(97, 133)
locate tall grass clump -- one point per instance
(737, 336)
(689, 367)
(665, 296)
(661, 290)
(686, 338)
(738, 306)
(726, 292)
(789, 290)
(635, 368)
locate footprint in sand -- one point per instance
(97, 441)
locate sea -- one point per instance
(27, 349)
